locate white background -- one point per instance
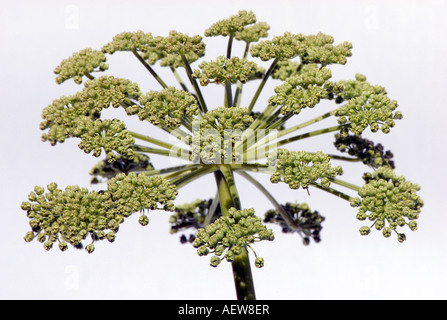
(398, 44)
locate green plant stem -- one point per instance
(254, 167)
(290, 223)
(337, 157)
(307, 123)
(284, 132)
(174, 153)
(177, 133)
(89, 76)
(345, 184)
(179, 79)
(230, 44)
(243, 279)
(238, 94)
(262, 84)
(194, 83)
(177, 169)
(187, 178)
(229, 94)
(250, 134)
(308, 135)
(332, 191)
(151, 140)
(212, 210)
(149, 68)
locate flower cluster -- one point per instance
(282, 47)
(78, 116)
(305, 89)
(218, 131)
(130, 41)
(389, 201)
(80, 64)
(367, 106)
(193, 215)
(307, 222)
(317, 48)
(224, 70)
(230, 234)
(136, 192)
(233, 24)
(253, 33)
(320, 49)
(105, 91)
(301, 168)
(110, 136)
(371, 154)
(168, 107)
(181, 44)
(69, 216)
(167, 50)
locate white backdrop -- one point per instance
(398, 44)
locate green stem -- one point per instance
(195, 174)
(212, 210)
(174, 153)
(194, 83)
(179, 79)
(243, 279)
(332, 191)
(290, 223)
(151, 140)
(262, 84)
(255, 167)
(229, 94)
(307, 123)
(337, 157)
(345, 184)
(238, 94)
(230, 44)
(229, 178)
(284, 132)
(308, 135)
(89, 76)
(250, 133)
(149, 68)
(177, 169)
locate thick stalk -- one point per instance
(243, 279)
